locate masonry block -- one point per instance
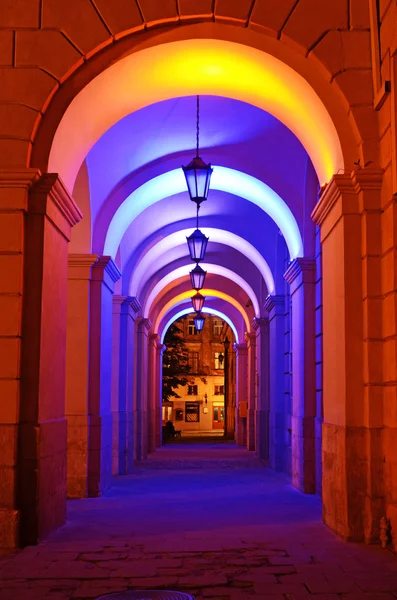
(26, 86)
(359, 14)
(6, 47)
(9, 409)
(356, 86)
(19, 13)
(233, 10)
(14, 153)
(155, 12)
(312, 19)
(48, 49)
(120, 15)
(79, 20)
(271, 16)
(191, 8)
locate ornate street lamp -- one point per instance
(197, 277)
(197, 172)
(199, 321)
(197, 244)
(226, 345)
(198, 302)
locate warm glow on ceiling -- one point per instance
(209, 268)
(198, 66)
(188, 311)
(207, 293)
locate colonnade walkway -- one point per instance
(207, 519)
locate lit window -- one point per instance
(191, 330)
(193, 361)
(192, 390)
(219, 390)
(217, 326)
(192, 413)
(218, 363)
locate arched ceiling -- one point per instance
(263, 188)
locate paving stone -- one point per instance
(205, 580)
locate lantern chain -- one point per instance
(198, 126)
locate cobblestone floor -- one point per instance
(206, 519)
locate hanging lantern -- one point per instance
(198, 178)
(197, 243)
(199, 321)
(197, 277)
(197, 172)
(198, 302)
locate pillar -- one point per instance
(104, 275)
(261, 327)
(242, 393)
(349, 216)
(275, 305)
(36, 217)
(125, 310)
(159, 402)
(140, 390)
(301, 277)
(77, 371)
(251, 348)
(153, 387)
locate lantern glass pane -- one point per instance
(199, 322)
(197, 244)
(198, 177)
(197, 277)
(198, 302)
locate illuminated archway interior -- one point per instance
(269, 149)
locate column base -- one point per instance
(251, 430)
(9, 529)
(119, 443)
(352, 460)
(42, 479)
(100, 454)
(303, 454)
(77, 456)
(262, 434)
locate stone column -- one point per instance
(36, 217)
(252, 389)
(275, 305)
(125, 310)
(104, 275)
(153, 387)
(77, 371)
(159, 369)
(349, 216)
(301, 275)
(141, 391)
(242, 392)
(261, 326)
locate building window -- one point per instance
(191, 330)
(217, 327)
(192, 413)
(193, 360)
(218, 363)
(219, 390)
(192, 390)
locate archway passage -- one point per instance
(90, 316)
(199, 397)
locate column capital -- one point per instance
(161, 348)
(80, 265)
(260, 323)
(302, 268)
(241, 349)
(153, 339)
(348, 185)
(250, 338)
(50, 187)
(275, 304)
(144, 323)
(135, 304)
(106, 270)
